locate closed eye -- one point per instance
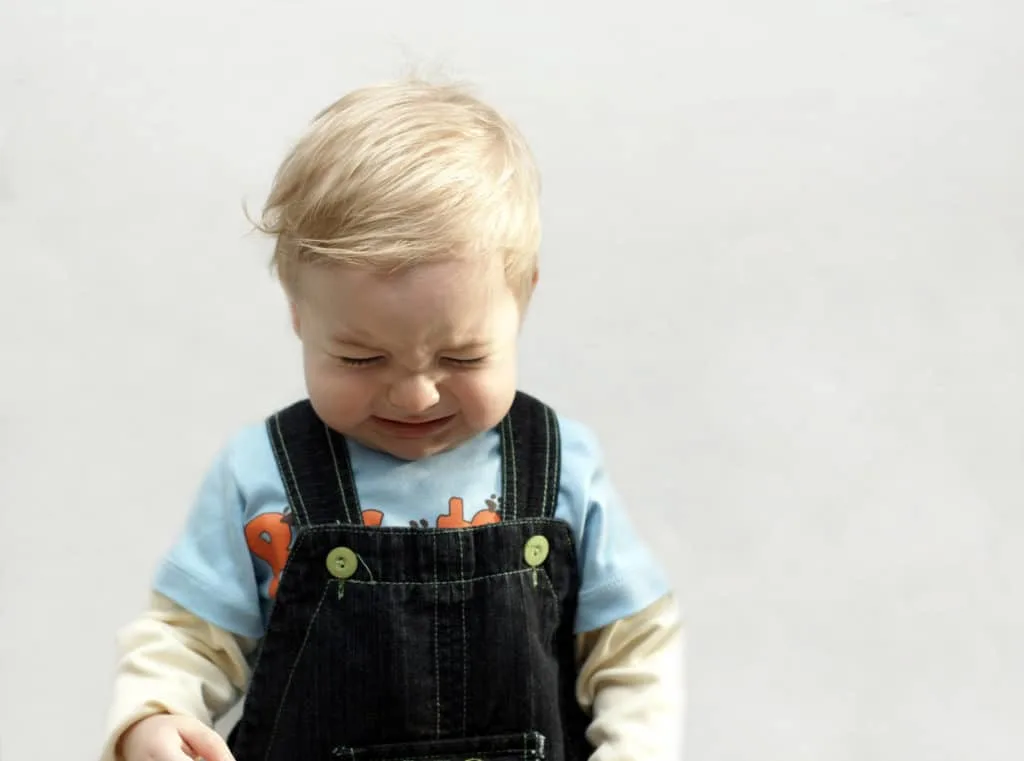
(358, 361)
(465, 362)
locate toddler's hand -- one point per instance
(172, 738)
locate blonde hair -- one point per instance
(396, 173)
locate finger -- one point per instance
(170, 752)
(203, 743)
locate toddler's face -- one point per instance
(413, 363)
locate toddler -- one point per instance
(417, 561)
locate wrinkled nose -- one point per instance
(414, 395)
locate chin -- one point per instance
(413, 448)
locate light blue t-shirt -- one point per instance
(226, 565)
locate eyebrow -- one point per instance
(468, 346)
(359, 340)
(355, 338)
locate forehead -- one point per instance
(431, 303)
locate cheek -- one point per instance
(484, 397)
(341, 397)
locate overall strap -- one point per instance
(315, 467)
(531, 452)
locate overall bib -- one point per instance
(409, 644)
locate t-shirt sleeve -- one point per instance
(619, 575)
(209, 570)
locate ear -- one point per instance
(294, 311)
(526, 298)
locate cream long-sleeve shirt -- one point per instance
(630, 678)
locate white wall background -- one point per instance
(782, 277)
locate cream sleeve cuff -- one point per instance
(632, 680)
(170, 661)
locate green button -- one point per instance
(341, 562)
(536, 550)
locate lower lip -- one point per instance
(413, 430)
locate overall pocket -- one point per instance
(528, 746)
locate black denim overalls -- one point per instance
(418, 644)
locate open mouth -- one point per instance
(413, 429)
